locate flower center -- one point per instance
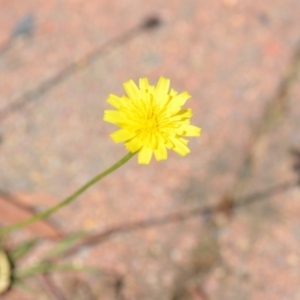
(150, 124)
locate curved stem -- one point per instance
(45, 267)
(67, 200)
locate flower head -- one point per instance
(151, 119)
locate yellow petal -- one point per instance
(182, 115)
(179, 147)
(161, 152)
(151, 141)
(183, 140)
(180, 99)
(132, 90)
(115, 101)
(144, 84)
(162, 87)
(190, 130)
(115, 117)
(122, 135)
(134, 145)
(173, 93)
(144, 156)
(168, 143)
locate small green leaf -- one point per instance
(24, 286)
(65, 244)
(22, 249)
(47, 267)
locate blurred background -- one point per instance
(239, 59)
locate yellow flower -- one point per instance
(151, 119)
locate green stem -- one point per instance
(49, 268)
(67, 200)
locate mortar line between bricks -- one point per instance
(68, 71)
(279, 104)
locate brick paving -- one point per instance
(233, 57)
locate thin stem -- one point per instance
(66, 201)
(46, 267)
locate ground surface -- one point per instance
(239, 59)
